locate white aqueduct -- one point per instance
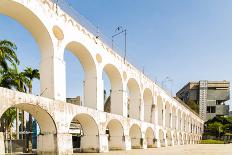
(155, 118)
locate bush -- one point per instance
(211, 141)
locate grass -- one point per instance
(211, 141)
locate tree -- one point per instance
(7, 54)
(30, 74)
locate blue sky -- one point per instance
(187, 40)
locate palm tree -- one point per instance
(30, 74)
(7, 54)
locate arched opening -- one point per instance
(39, 32)
(44, 130)
(115, 133)
(160, 111)
(162, 138)
(168, 115)
(175, 138)
(85, 134)
(148, 101)
(184, 138)
(179, 120)
(87, 85)
(174, 117)
(35, 50)
(114, 101)
(183, 119)
(188, 139)
(169, 138)
(180, 139)
(150, 138)
(136, 137)
(134, 99)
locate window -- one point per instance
(211, 109)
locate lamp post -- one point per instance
(168, 79)
(119, 30)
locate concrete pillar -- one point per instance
(52, 78)
(103, 143)
(60, 144)
(127, 140)
(117, 103)
(64, 144)
(142, 110)
(93, 93)
(2, 146)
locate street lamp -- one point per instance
(167, 79)
(119, 30)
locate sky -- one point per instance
(186, 40)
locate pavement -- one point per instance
(198, 149)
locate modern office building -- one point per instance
(206, 97)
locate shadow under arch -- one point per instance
(115, 133)
(169, 138)
(160, 109)
(136, 137)
(84, 56)
(48, 129)
(162, 138)
(148, 101)
(150, 137)
(40, 33)
(134, 99)
(85, 133)
(116, 93)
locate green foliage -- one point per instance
(7, 54)
(12, 78)
(218, 126)
(210, 141)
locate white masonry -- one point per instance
(155, 118)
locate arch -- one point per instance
(179, 120)
(33, 23)
(150, 137)
(134, 99)
(168, 115)
(85, 133)
(115, 133)
(116, 93)
(175, 138)
(136, 137)
(160, 106)
(47, 125)
(184, 138)
(148, 101)
(180, 139)
(162, 138)
(90, 72)
(174, 117)
(183, 122)
(169, 138)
